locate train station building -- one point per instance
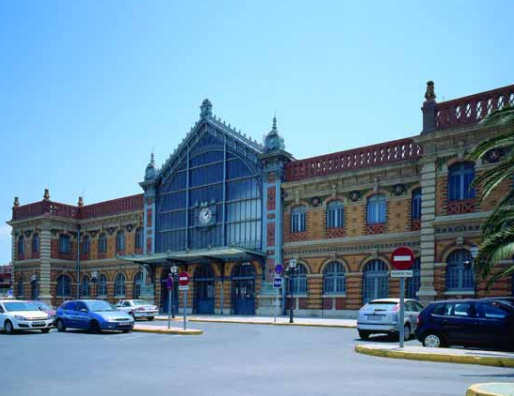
(227, 209)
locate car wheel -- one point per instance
(433, 340)
(406, 332)
(126, 331)
(60, 326)
(45, 330)
(8, 327)
(94, 327)
(150, 318)
(364, 335)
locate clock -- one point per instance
(205, 216)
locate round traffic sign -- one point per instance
(279, 269)
(183, 279)
(402, 258)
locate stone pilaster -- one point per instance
(45, 266)
(426, 291)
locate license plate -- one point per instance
(375, 317)
(38, 323)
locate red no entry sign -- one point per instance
(402, 258)
(183, 279)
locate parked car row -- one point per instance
(91, 315)
(487, 322)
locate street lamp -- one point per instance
(291, 271)
(94, 277)
(473, 250)
(33, 284)
(174, 270)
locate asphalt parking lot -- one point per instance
(229, 359)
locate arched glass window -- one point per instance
(335, 214)
(376, 209)
(414, 283)
(86, 289)
(298, 283)
(102, 243)
(21, 245)
(416, 204)
(63, 286)
(86, 245)
(298, 222)
(35, 244)
(334, 279)
(119, 285)
(64, 244)
(460, 177)
(139, 238)
(459, 271)
(138, 281)
(375, 281)
(34, 287)
(21, 287)
(120, 241)
(102, 286)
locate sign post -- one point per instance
(169, 285)
(402, 260)
(277, 284)
(183, 282)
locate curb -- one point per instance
(268, 323)
(436, 357)
(172, 331)
(475, 389)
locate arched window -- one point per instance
(459, 271)
(64, 244)
(460, 177)
(35, 244)
(119, 285)
(86, 245)
(102, 243)
(63, 286)
(334, 280)
(34, 287)
(416, 204)
(376, 209)
(138, 281)
(139, 238)
(120, 241)
(335, 214)
(298, 282)
(375, 281)
(414, 283)
(21, 287)
(86, 290)
(102, 286)
(298, 223)
(21, 245)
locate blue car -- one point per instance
(484, 322)
(92, 315)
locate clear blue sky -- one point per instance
(88, 88)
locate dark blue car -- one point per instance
(485, 322)
(92, 315)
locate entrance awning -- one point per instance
(192, 256)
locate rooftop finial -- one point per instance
(81, 202)
(206, 109)
(16, 202)
(46, 195)
(152, 158)
(274, 128)
(430, 93)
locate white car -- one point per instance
(22, 315)
(381, 316)
(138, 309)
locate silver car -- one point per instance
(138, 309)
(381, 316)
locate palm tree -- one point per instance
(497, 241)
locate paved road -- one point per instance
(229, 360)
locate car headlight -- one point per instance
(19, 317)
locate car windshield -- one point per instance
(41, 305)
(100, 306)
(141, 302)
(381, 305)
(19, 306)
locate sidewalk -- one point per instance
(491, 389)
(267, 320)
(446, 355)
(145, 328)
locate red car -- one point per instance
(44, 307)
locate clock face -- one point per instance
(205, 216)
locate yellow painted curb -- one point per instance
(474, 390)
(275, 324)
(436, 357)
(166, 331)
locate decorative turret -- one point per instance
(273, 141)
(46, 195)
(150, 172)
(206, 109)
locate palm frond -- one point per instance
(497, 221)
(502, 274)
(492, 178)
(500, 117)
(505, 141)
(497, 247)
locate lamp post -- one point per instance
(291, 271)
(94, 277)
(33, 285)
(174, 271)
(473, 249)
